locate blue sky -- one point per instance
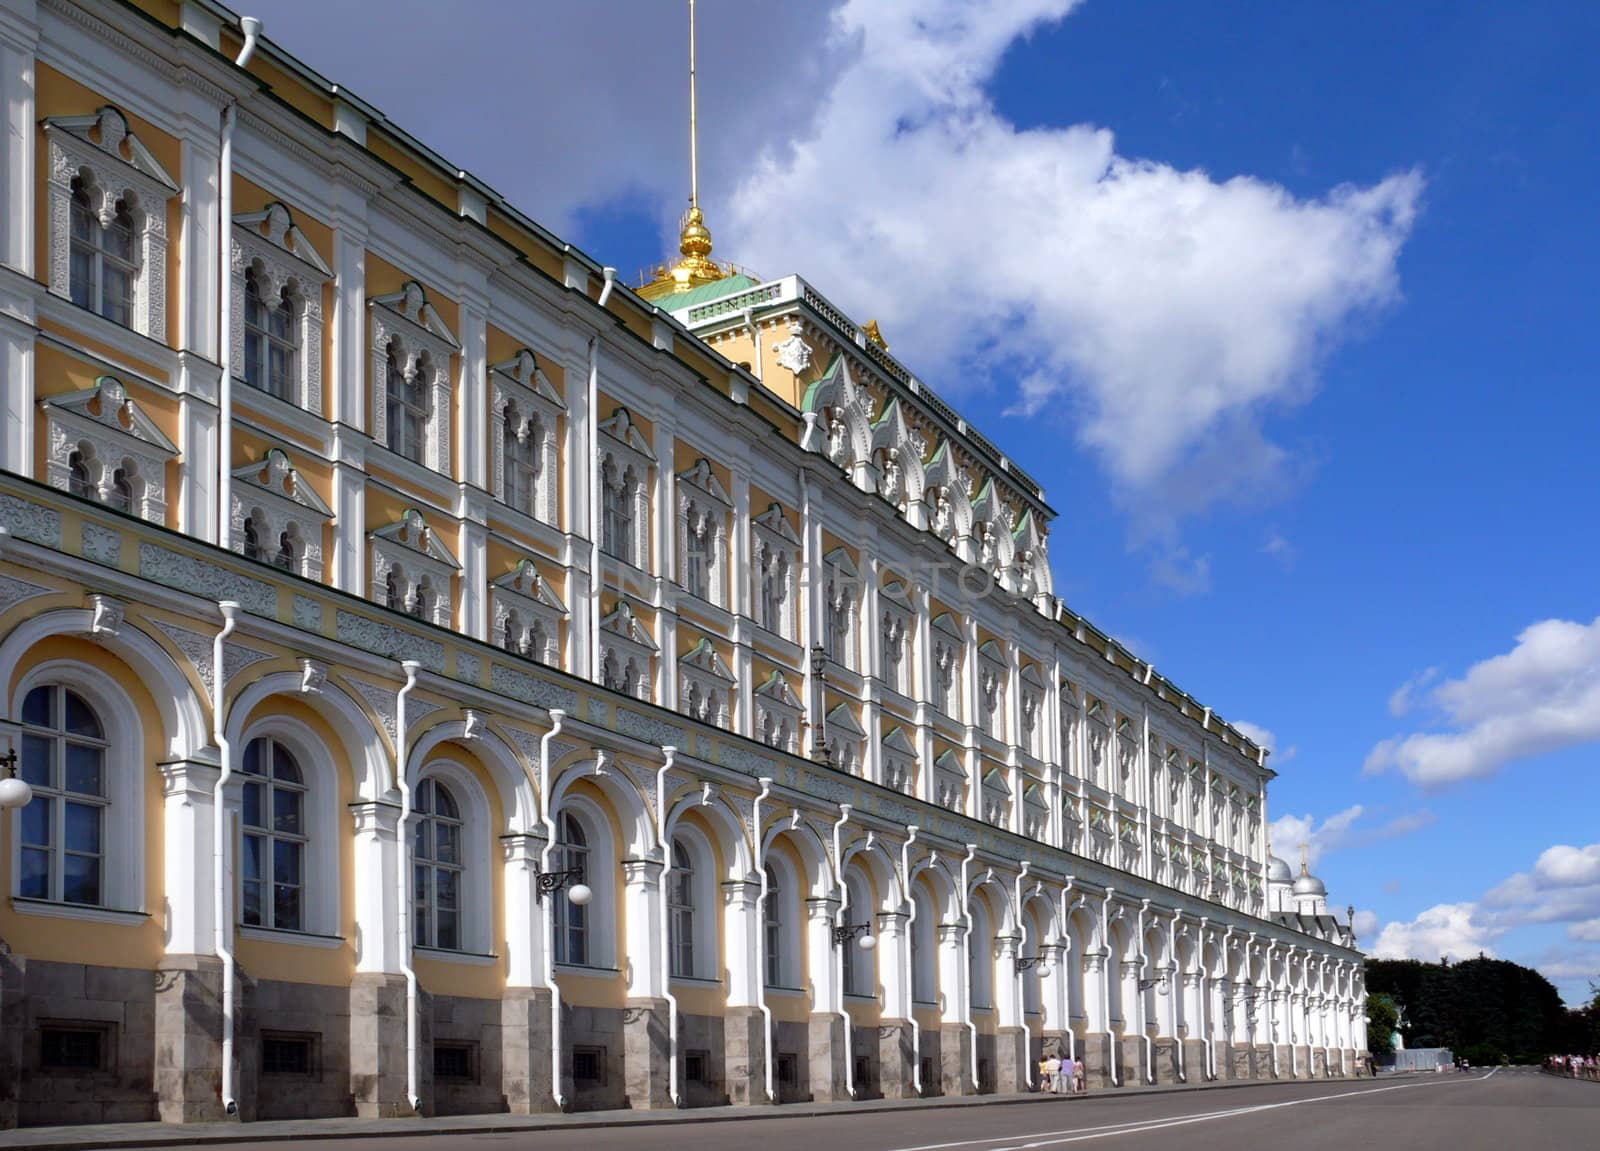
(1300, 343)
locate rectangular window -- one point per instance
(75, 1046)
(283, 1054)
(696, 1066)
(929, 1080)
(589, 1065)
(788, 1070)
(455, 1061)
(863, 1071)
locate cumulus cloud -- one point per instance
(1257, 734)
(1365, 923)
(1402, 700)
(1542, 696)
(1338, 832)
(1165, 310)
(1456, 930)
(1562, 887)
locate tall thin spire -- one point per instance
(695, 267)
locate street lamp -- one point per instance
(860, 932)
(1024, 963)
(14, 792)
(1159, 983)
(549, 881)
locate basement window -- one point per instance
(74, 1046)
(589, 1065)
(455, 1061)
(696, 1065)
(288, 1054)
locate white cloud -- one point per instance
(1588, 930)
(1340, 831)
(1569, 866)
(1164, 311)
(1402, 701)
(1365, 923)
(1458, 930)
(1256, 734)
(1281, 550)
(1541, 696)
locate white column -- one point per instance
(472, 423)
(822, 964)
(524, 917)
(741, 925)
(349, 503)
(578, 451)
(1096, 1011)
(739, 588)
(19, 37)
(665, 553)
(641, 914)
(346, 386)
(186, 789)
(893, 943)
(1053, 983)
(952, 973)
(1007, 987)
(377, 914)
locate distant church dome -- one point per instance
(1309, 884)
(1278, 871)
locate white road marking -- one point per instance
(1039, 1139)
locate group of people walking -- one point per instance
(1060, 1075)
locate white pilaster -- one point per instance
(186, 790)
(524, 916)
(377, 913)
(740, 925)
(641, 913)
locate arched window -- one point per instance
(774, 589)
(772, 924)
(571, 920)
(924, 966)
(288, 549)
(421, 605)
(617, 524)
(522, 445)
(859, 969)
(437, 868)
(62, 846)
(680, 908)
(393, 597)
(79, 481)
(511, 636)
(407, 398)
(121, 493)
(271, 339)
(272, 812)
(252, 540)
(980, 966)
(103, 265)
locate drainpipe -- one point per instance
(910, 972)
(755, 337)
(670, 754)
(1105, 983)
(1288, 975)
(1226, 937)
(403, 917)
(966, 914)
(1066, 918)
(842, 921)
(221, 928)
(1019, 978)
(1209, 1068)
(596, 584)
(761, 933)
(1272, 1009)
(545, 788)
(1144, 1022)
(251, 27)
(1176, 992)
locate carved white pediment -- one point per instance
(411, 531)
(775, 523)
(897, 742)
(842, 723)
(704, 657)
(528, 613)
(777, 691)
(406, 324)
(108, 432)
(845, 412)
(621, 429)
(623, 625)
(271, 495)
(115, 165)
(626, 653)
(523, 371)
(412, 571)
(270, 244)
(705, 684)
(778, 712)
(703, 478)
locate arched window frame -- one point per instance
(702, 525)
(860, 976)
(949, 652)
(270, 246)
(111, 161)
(625, 464)
(980, 959)
(706, 685)
(600, 876)
(272, 495)
(841, 609)
(627, 654)
(422, 567)
(924, 946)
(525, 407)
(119, 436)
(476, 900)
(774, 552)
(778, 714)
(123, 850)
(528, 614)
(896, 637)
(408, 328)
(700, 913)
(320, 913)
(781, 921)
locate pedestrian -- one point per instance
(1372, 1066)
(1050, 1080)
(1065, 1075)
(1042, 1084)
(1078, 1085)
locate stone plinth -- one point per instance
(827, 1058)
(744, 1036)
(646, 1054)
(1010, 1061)
(378, 1046)
(896, 1060)
(1096, 1049)
(525, 1074)
(955, 1060)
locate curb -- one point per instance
(214, 1134)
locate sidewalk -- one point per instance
(130, 1135)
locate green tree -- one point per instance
(1382, 1020)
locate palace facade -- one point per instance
(450, 680)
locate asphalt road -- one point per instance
(1517, 1109)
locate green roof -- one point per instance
(705, 293)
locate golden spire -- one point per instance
(694, 238)
(1305, 849)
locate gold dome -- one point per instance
(696, 268)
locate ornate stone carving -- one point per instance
(188, 573)
(14, 591)
(385, 639)
(529, 689)
(26, 520)
(794, 353)
(102, 545)
(307, 613)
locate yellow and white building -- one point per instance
(376, 571)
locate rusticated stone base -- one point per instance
(1166, 1060)
(1131, 1061)
(896, 1060)
(188, 1062)
(647, 1054)
(955, 1060)
(1263, 1061)
(1097, 1060)
(525, 1050)
(1010, 1061)
(1302, 1062)
(1319, 1062)
(378, 1046)
(827, 1058)
(744, 1031)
